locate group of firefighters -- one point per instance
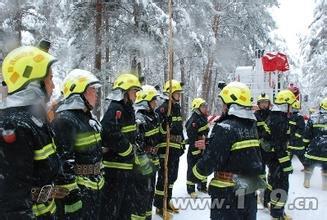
(73, 166)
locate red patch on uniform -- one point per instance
(162, 109)
(118, 115)
(9, 136)
(194, 125)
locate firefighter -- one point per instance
(233, 154)
(119, 139)
(297, 126)
(279, 164)
(28, 160)
(176, 145)
(197, 129)
(315, 137)
(148, 138)
(264, 104)
(78, 142)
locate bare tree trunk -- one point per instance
(136, 61)
(184, 95)
(206, 82)
(98, 39)
(213, 94)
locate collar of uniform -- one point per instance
(241, 112)
(116, 95)
(31, 95)
(74, 102)
(280, 108)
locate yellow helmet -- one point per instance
(197, 102)
(263, 97)
(312, 110)
(24, 65)
(127, 81)
(236, 93)
(323, 104)
(176, 86)
(285, 97)
(296, 105)
(77, 81)
(148, 93)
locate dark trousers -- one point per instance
(242, 207)
(190, 186)
(173, 164)
(116, 200)
(280, 185)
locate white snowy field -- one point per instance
(297, 192)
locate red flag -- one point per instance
(275, 61)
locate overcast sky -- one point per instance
(293, 18)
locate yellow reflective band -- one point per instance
(127, 152)
(129, 128)
(288, 131)
(137, 217)
(179, 118)
(41, 209)
(173, 145)
(84, 140)
(203, 128)
(315, 157)
(196, 152)
(197, 174)
(245, 144)
(269, 187)
(44, 152)
(288, 169)
(204, 181)
(148, 213)
(81, 180)
(292, 122)
(70, 186)
(221, 184)
(265, 126)
(295, 148)
(162, 131)
(276, 203)
(284, 159)
(156, 161)
(117, 165)
(298, 135)
(190, 183)
(171, 185)
(152, 132)
(306, 140)
(320, 126)
(159, 192)
(73, 207)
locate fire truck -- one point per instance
(268, 75)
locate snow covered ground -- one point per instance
(296, 194)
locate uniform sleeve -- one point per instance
(307, 137)
(300, 126)
(191, 130)
(216, 154)
(64, 140)
(279, 137)
(112, 136)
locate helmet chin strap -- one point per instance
(87, 104)
(43, 89)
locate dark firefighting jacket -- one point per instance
(316, 137)
(297, 126)
(148, 135)
(119, 135)
(77, 137)
(28, 159)
(197, 128)
(233, 148)
(176, 128)
(277, 122)
(263, 129)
